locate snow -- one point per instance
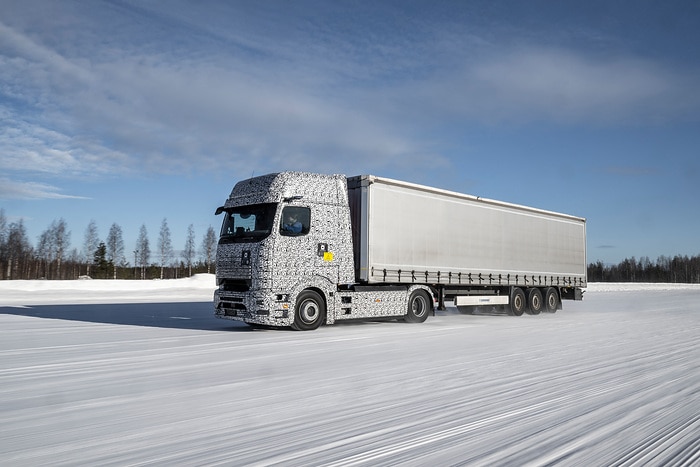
(199, 287)
(140, 372)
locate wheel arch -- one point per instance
(430, 291)
(322, 286)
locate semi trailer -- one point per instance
(300, 250)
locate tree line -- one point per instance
(680, 269)
(53, 257)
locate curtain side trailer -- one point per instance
(300, 249)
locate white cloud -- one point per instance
(558, 85)
(247, 100)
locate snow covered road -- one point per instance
(612, 380)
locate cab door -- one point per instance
(307, 241)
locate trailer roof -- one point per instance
(369, 179)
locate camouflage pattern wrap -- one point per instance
(260, 281)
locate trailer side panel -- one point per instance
(409, 233)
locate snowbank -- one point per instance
(637, 286)
(197, 288)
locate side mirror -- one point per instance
(219, 210)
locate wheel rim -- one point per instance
(309, 311)
(551, 300)
(535, 302)
(418, 306)
(518, 302)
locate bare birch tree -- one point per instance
(61, 241)
(165, 245)
(4, 251)
(189, 251)
(52, 247)
(17, 252)
(209, 247)
(90, 244)
(115, 248)
(143, 251)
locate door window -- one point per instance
(296, 221)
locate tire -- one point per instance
(418, 307)
(309, 312)
(551, 300)
(534, 301)
(518, 302)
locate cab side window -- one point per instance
(296, 221)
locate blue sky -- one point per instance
(130, 112)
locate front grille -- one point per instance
(232, 307)
(234, 285)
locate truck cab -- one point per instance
(283, 234)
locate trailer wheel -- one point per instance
(309, 312)
(551, 300)
(534, 301)
(418, 307)
(518, 302)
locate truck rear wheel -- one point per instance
(309, 312)
(551, 300)
(534, 301)
(518, 302)
(418, 307)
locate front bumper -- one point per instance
(265, 308)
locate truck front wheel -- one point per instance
(418, 307)
(309, 312)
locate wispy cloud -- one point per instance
(212, 89)
(13, 189)
(170, 113)
(564, 86)
(631, 171)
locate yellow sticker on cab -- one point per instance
(327, 256)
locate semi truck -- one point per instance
(300, 250)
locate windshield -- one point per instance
(249, 223)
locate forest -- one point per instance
(679, 269)
(53, 257)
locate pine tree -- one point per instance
(102, 266)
